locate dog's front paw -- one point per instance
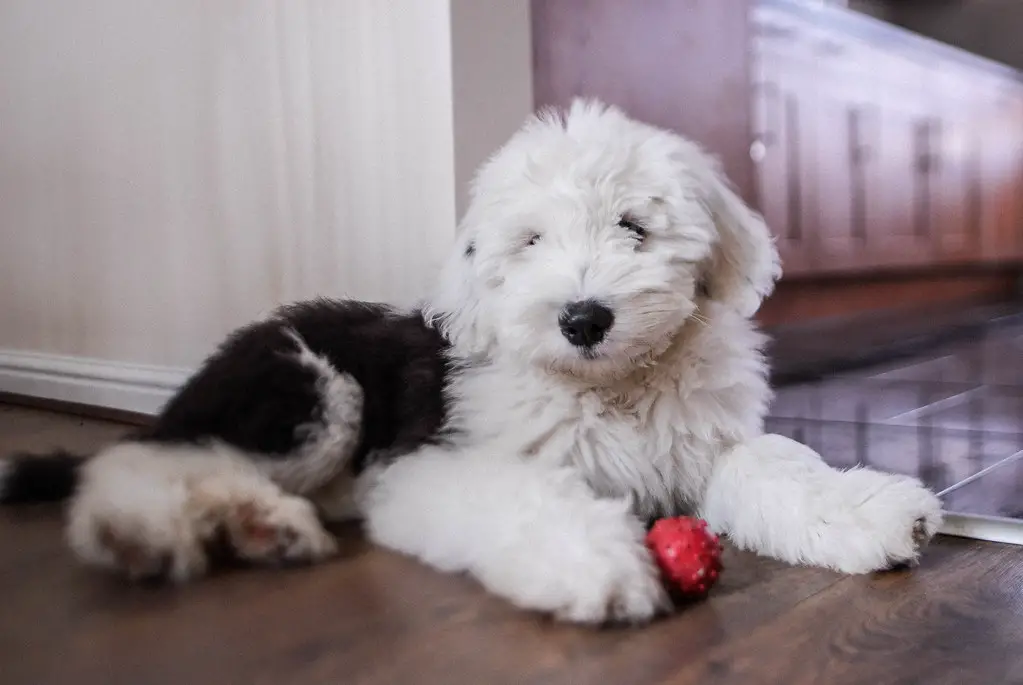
(623, 590)
(883, 521)
(594, 569)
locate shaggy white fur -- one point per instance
(562, 450)
(565, 448)
(150, 510)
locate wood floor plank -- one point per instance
(35, 430)
(752, 591)
(957, 619)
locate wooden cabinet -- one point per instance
(1001, 176)
(898, 184)
(897, 153)
(951, 155)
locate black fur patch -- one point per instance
(251, 393)
(44, 478)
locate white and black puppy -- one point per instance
(587, 362)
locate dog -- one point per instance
(586, 362)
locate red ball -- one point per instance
(688, 555)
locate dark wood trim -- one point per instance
(819, 298)
(77, 409)
(945, 270)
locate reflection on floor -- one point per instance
(953, 418)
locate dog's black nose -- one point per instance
(584, 324)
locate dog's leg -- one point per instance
(151, 511)
(535, 535)
(777, 497)
(327, 440)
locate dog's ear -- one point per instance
(454, 305)
(744, 264)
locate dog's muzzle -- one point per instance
(584, 324)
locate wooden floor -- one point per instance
(374, 617)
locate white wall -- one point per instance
(171, 168)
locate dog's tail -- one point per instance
(29, 478)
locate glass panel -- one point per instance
(944, 417)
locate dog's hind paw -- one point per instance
(143, 560)
(283, 531)
(154, 512)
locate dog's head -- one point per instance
(591, 239)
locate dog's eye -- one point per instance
(633, 226)
(534, 239)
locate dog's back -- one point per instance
(271, 384)
(252, 395)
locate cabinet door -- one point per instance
(954, 152)
(837, 205)
(779, 150)
(896, 171)
(1001, 175)
(1012, 218)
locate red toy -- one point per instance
(688, 555)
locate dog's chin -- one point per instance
(618, 357)
(601, 364)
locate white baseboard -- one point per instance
(988, 528)
(130, 387)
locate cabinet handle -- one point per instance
(926, 160)
(935, 145)
(922, 185)
(764, 92)
(758, 151)
(857, 159)
(794, 169)
(758, 148)
(929, 139)
(859, 151)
